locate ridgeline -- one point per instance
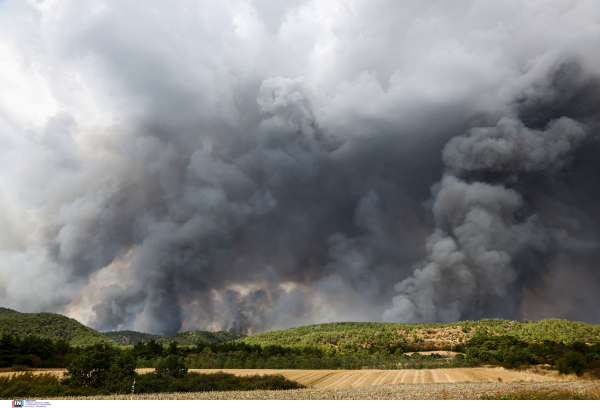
(356, 335)
(187, 338)
(49, 325)
(343, 336)
(130, 337)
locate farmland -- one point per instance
(463, 383)
(442, 391)
(362, 378)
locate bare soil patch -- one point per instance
(448, 354)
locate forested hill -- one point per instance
(51, 325)
(130, 337)
(188, 338)
(430, 336)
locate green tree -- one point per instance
(155, 349)
(89, 369)
(122, 367)
(98, 365)
(8, 350)
(172, 366)
(572, 362)
(173, 349)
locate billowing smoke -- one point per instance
(477, 236)
(245, 165)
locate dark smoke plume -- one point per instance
(246, 166)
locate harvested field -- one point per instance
(60, 372)
(362, 378)
(455, 391)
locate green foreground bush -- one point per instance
(27, 385)
(196, 382)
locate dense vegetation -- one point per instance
(191, 338)
(103, 369)
(356, 336)
(576, 357)
(240, 355)
(277, 357)
(188, 338)
(507, 351)
(33, 351)
(49, 325)
(27, 384)
(570, 347)
(130, 337)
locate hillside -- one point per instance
(188, 338)
(130, 337)
(429, 336)
(51, 325)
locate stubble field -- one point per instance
(362, 378)
(455, 383)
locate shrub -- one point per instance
(98, 368)
(572, 362)
(172, 366)
(29, 385)
(87, 369)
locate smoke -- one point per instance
(248, 166)
(477, 232)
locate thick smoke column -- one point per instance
(471, 253)
(253, 165)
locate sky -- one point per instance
(258, 165)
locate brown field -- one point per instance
(455, 383)
(362, 378)
(452, 391)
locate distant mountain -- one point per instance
(51, 325)
(56, 326)
(188, 338)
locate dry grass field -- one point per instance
(453, 391)
(362, 378)
(457, 383)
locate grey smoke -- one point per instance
(471, 252)
(248, 165)
(512, 148)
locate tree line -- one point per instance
(508, 351)
(104, 369)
